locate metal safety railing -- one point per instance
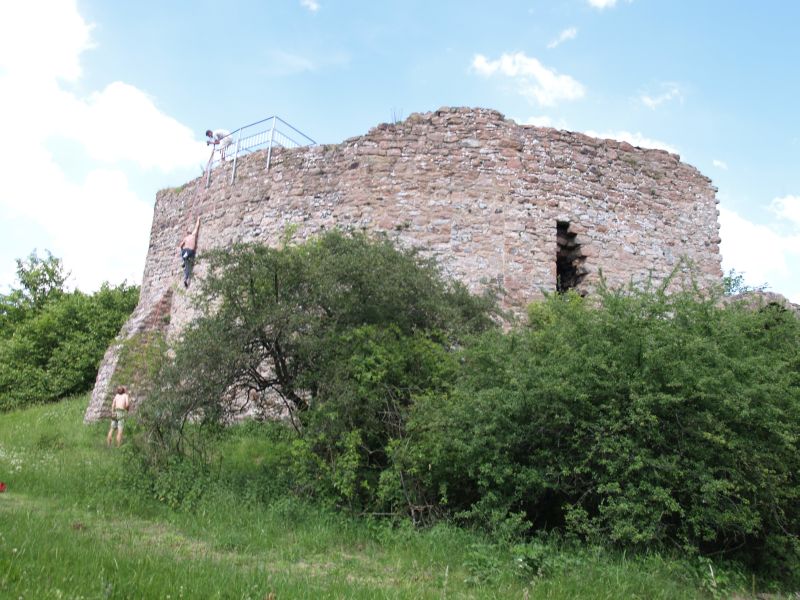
(267, 133)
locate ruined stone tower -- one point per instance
(533, 209)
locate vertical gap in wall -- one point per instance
(569, 259)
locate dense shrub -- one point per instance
(369, 385)
(646, 420)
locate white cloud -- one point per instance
(787, 208)
(567, 34)
(601, 4)
(634, 139)
(760, 253)
(542, 121)
(285, 63)
(311, 5)
(720, 164)
(86, 215)
(534, 81)
(53, 52)
(669, 92)
(122, 123)
(97, 226)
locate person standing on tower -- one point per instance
(220, 138)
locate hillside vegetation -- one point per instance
(77, 520)
(632, 444)
(636, 419)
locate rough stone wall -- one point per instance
(482, 194)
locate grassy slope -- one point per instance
(69, 529)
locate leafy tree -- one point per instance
(40, 280)
(272, 317)
(733, 284)
(343, 329)
(52, 340)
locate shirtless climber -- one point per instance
(120, 406)
(188, 248)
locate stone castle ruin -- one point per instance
(531, 209)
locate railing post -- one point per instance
(254, 140)
(271, 139)
(236, 155)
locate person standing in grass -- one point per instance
(119, 410)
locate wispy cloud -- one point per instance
(286, 63)
(533, 80)
(542, 121)
(720, 164)
(601, 4)
(280, 63)
(567, 34)
(668, 93)
(787, 208)
(634, 139)
(311, 5)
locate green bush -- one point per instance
(646, 420)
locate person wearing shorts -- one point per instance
(188, 247)
(119, 410)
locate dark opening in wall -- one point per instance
(570, 269)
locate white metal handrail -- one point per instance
(266, 133)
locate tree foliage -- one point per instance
(51, 340)
(733, 283)
(646, 421)
(343, 329)
(40, 280)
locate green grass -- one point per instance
(71, 528)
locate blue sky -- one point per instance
(105, 102)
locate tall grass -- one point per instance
(73, 526)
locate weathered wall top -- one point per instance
(529, 208)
